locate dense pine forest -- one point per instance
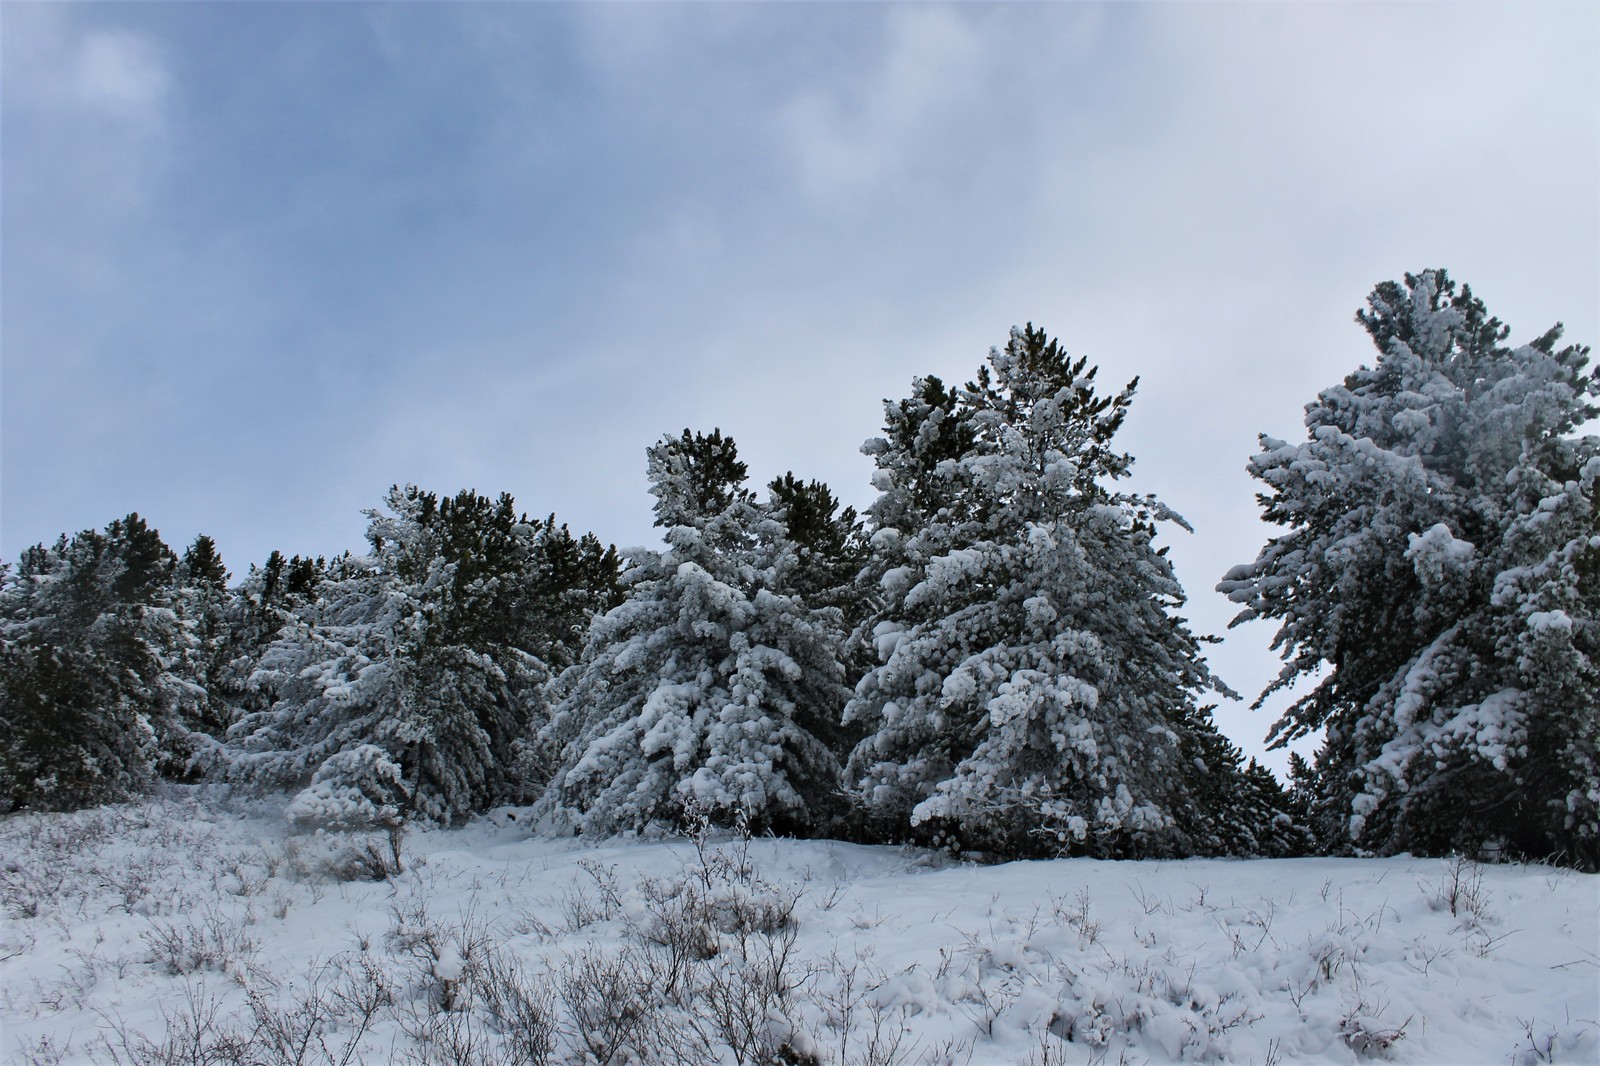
(991, 659)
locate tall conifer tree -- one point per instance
(417, 668)
(1036, 692)
(89, 703)
(1440, 560)
(712, 686)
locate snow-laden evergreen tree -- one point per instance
(93, 705)
(271, 601)
(1441, 561)
(421, 649)
(1035, 693)
(205, 607)
(357, 788)
(713, 687)
(820, 550)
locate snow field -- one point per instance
(201, 929)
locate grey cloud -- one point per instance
(564, 231)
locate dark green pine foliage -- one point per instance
(919, 483)
(829, 544)
(147, 565)
(708, 478)
(817, 551)
(569, 581)
(202, 565)
(88, 707)
(925, 435)
(1313, 806)
(1238, 808)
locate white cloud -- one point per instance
(862, 128)
(121, 73)
(87, 113)
(55, 62)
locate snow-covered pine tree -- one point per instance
(270, 602)
(90, 706)
(819, 550)
(205, 607)
(711, 687)
(1441, 559)
(419, 649)
(335, 668)
(1035, 692)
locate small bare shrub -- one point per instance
(211, 943)
(1461, 891)
(449, 1039)
(1364, 1032)
(45, 1051)
(50, 860)
(522, 1010)
(251, 873)
(614, 1004)
(194, 1035)
(864, 1030)
(136, 883)
(369, 857)
(601, 902)
(1076, 916)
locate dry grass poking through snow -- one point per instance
(198, 930)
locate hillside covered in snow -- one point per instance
(199, 928)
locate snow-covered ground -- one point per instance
(197, 929)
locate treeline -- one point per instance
(990, 659)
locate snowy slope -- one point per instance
(199, 929)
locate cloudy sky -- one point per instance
(261, 261)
